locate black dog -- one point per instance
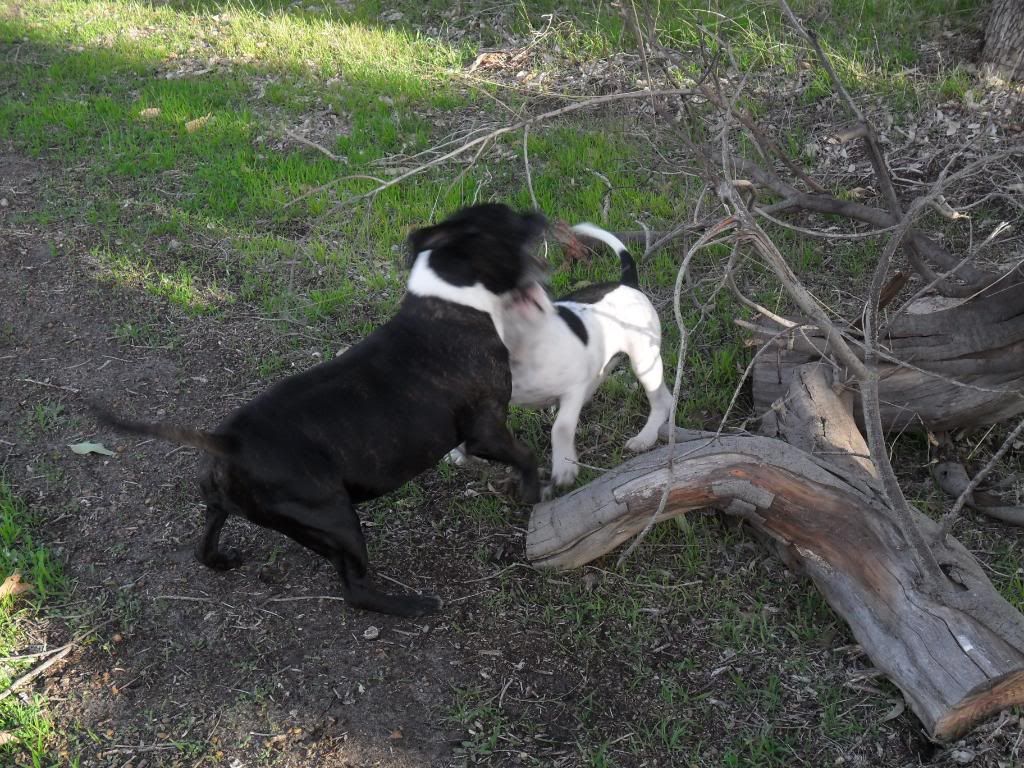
(302, 454)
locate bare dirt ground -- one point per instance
(265, 665)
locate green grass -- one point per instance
(702, 671)
(116, 97)
(170, 123)
(25, 719)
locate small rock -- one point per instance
(962, 756)
(3, 202)
(371, 633)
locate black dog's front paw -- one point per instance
(529, 490)
(221, 560)
(409, 605)
(423, 605)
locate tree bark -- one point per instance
(956, 651)
(1003, 54)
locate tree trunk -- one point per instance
(948, 343)
(1003, 53)
(955, 650)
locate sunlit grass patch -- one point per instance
(177, 96)
(179, 287)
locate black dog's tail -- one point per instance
(218, 445)
(629, 275)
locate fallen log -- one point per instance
(962, 361)
(955, 650)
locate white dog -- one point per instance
(561, 351)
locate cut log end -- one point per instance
(983, 702)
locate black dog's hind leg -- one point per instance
(332, 529)
(489, 438)
(208, 550)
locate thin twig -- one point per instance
(28, 677)
(767, 146)
(51, 386)
(965, 497)
(820, 233)
(58, 653)
(746, 374)
(526, 164)
(921, 552)
(703, 242)
(313, 145)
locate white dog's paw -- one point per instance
(456, 457)
(564, 474)
(642, 442)
(460, 458)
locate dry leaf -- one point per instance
(396, 734)
(13, 585)
(149, 113)
(896, 711)
(6, 737)
(85, 448)
(194, 125)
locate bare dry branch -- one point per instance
(462, 149)
(526, 165)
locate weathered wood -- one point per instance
(979, 343)
(957, 653)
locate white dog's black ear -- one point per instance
(432, 238)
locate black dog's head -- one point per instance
(489, 244)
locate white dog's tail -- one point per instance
(629, 274)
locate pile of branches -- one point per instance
(826, 498)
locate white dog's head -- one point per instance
(483, 257)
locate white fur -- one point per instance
(424, 281)
(592, 230)
(550, 364)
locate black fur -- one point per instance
(590, 294)
(299, 456)
(573, 321)
(628, 275)
(464, 247)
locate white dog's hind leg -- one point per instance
(563, 439)
(650, 373)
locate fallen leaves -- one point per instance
(14, 585)
(194, 125)
(83, 449)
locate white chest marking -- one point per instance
(424, 281)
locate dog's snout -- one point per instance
(535, 271)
